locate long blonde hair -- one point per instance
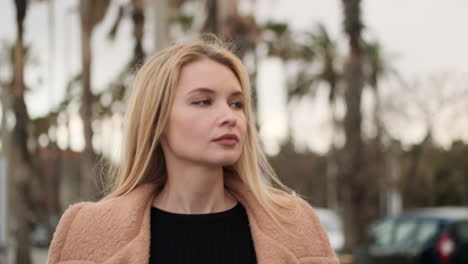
(149, 105)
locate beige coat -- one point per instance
(118, 231)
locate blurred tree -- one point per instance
(138, 18)
(376, 67)
(304, 172)
(31, 187)
(20, 159)
(319, 63)
(451, 176)
(351, 176)
(224, 20)
(212, 17)
(137, 15)
(328, 58)
(97, 106)
(446, 101)
(280, 43)
(91, 14)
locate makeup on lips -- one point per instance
(227, 140)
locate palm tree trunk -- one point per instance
(21, 160)
(91, 13)
(20, 170)
(351, 165)
(23, 252)
(88, 185)
(88, 188)
(138, 17)
(212, 20)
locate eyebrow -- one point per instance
(207, 90)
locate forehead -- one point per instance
(207, 73)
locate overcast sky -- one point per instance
(423, 37)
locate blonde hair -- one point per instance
(148, 110)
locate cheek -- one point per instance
(186, 129)
(243, 127)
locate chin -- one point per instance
(226, 160)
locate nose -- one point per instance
(227, 116)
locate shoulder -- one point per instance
(62, 230)
(82, 213)
(93, 230)
(305, 234)
(96, 230)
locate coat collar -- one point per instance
(267, 249)
(118, 231)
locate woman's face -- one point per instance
(207, 124)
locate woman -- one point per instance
(190, 187)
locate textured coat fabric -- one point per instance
(118, 231)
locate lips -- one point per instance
(227, 140)
(227, 137)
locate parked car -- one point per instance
(429, 236)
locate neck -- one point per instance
(194, 190)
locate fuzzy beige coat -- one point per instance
(118, 231)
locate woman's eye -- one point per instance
(237, 105)
(202, 102)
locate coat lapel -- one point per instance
(137, 250)
(268, 250)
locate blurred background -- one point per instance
(362, 106)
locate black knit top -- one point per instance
(222, 237)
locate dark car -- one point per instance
(429, 236)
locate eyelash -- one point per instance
(239, 105)
(202, 102)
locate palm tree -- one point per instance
(321, 50)
(377, 66)
(91, 13)
(212, 17)
(138, 17)
(280, 43)
(327, 56)
(224, 20)
(20, 158)
(25, 176)
(351, 175)
(137, 14)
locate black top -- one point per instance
(222, 237)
